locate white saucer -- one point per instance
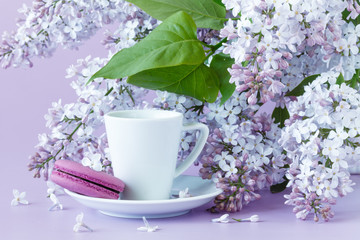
(202, 192)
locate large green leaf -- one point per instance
(172, 43)
(206, 13)
(198, 81)
(220, 63)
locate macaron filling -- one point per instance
(87, 180)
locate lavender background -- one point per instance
(25, 96)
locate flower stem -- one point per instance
(238, 220)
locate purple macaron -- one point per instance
(84, 180)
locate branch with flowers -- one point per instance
(217, 62)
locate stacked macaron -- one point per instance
(84, 180)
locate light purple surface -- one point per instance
(25, 96)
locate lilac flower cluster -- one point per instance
(77, 128)
(322, 139)
(48, 24)
(270, 36)
(242, 154)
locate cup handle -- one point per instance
(200, 143)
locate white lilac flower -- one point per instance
(264, 152)
(243, 146)
(147, 227)
(93, 161)
(72, 28)
(80, 224)
(184, 193)
(223, 219)
(185, 141)
(228, 168)
(19, 198)
(330, 188)
(56, 203)
(231, 137)
(331, 147)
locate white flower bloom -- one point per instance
(330, 147)
(185, 141)
(184, 193)
(162, 97)
(229, 169)
(243, 146)
(79, 223)
(317, 186)
(92, 160)
(330, 189)
(264, 151)
(324, 117)
(253, 218)
(231, 137)
(72, 28)
(223, 219)
(223, 157)
(19, 198)
(56, 203)
(147, 227)
(338, 133)
(216, 112)
(272, 60)
(339, 160)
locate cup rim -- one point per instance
(143, 114)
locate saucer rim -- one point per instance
(216, 192)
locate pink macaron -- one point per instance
(84, 180)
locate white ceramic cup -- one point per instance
(144, 146)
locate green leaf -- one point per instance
(299, 89)
(280, 115)
(354, 81)
(206, 13)
(220, 63)
(219, 2)
(340, 79)
(279, 187)
(345, 15)
(198, 81)
(172, 43)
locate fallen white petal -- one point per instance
(147, 227)
(223, 219)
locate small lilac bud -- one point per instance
(287, 55)
(248, 57)
(221, 197)
(268, 20)
(259, 59)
